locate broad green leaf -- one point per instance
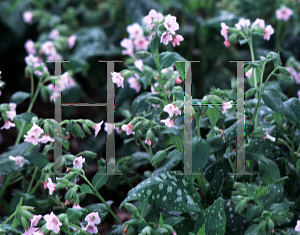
(201, 230)
(100, 180)
(213, 115)
(38, 159)
(200, 154)
(180, 66)
(268, 171)
(169, 58)
(87, 153)
(173, 220)
(140, 104)
(171, 160)
(215, 186)
(19, 97)
(167, 190)
(273, 100)
(154, 44)
(143, 206)
(16, 220)
(75, 214)
(86, 189)
(292, 110)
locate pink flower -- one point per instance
(19, 160)
(148, 141)
(242, 23)
(77, 163)
(31, 230)
(259, 22)
(54, 56)
(292, 71)
(166, 37)
(178, 80)
(11, 115)
(45, 185)
(52, 222)
(141, 44)
(118, 130)
(71, 41)
(298, 93)
(118, 79)
(35, 131)
(148, 20)
(227, 43)
(139, 64)
(284, 13)
(51, 186)
(27, 17)
(249, 73)
(176, 40)
(224, 30)
(54, 34)
(29, 46)
(268, 32)
(226, 105)
(48, 48)
(110, 127)
(135, 31)
(32, 139)
(7, 125)
(76, 206)
(168, 122)
(91, 228)
(297, 228)
(128, 129)
(93, 218)
(34, 221)
(67, 81)
(171, 109)
(128, 44)
(171, 24)
(32, 60)
(45, 139)
(134, 84)
(97, 127)
(269, 137)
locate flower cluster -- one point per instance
(134, 80)
(11, 113)
(172, 110)
(92, 219)
(33, 135)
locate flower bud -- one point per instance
(89, 123)
(28, 208)
(24, 222)
(241, 205)
(126, 73)
(63, 218)
(150, 135)
(158, 158)
(26, 214)
(154, 100)
(34, 120)
(138, 125)
(131, 208)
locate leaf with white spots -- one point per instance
(214, 219)
(167, 190)
(292, 110)
(268, 171)
(215, 186)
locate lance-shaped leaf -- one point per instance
(167, 190)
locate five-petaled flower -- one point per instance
(93, 218)
(34, 220)
(168, 122)
(52, 222)
(97, 127)
(77, 163)
(118, 79)
(128, 129)
(7, 125)
(268, 31)
(226, 105)
(19, 160)
(171, 109)
(176, 40)
(284, 13)
(27, 17)
(50, 186)
(242, 23)
(171, 24)
(45, 139)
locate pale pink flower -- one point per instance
(93, 218)
(45, 139)
(128, 129)
(297, 78)
(71, 41)
(38, 233)
(76, 181)
(19, 160)
(249, 73)
(32, 139)
(118, 79)
(118, 130)
(45, 185)
(269, 137)
(76, 206)
(171, 109)
(54, 34)
(178, 80)
(35, 130)
(139, 64)
(148, 141)
(284, 13)
(54, 56)
(108, 127)
(226, 105)
(29, 46)
(297, 227)
(52, 222)
(97, 127)
(148, 21)
(298, 93)
(227, 43)
(292, 71)
(34, 221)
(77, 163)
(166, 37)
(128, 44)
(168, 122)
(7, 125)
(268, 32)
(176, 40)
(11, 114)
(242, 23)
(134, 84)
(50, 186)
(135, 31)
(259, 22)
(67, 81)
(151, 16)
(48, 48)
(27, 17)
(141, 44)
(32, 60)
(153, 89)
(171, 24)
(91, 228)
(31, 230)
(224, 30)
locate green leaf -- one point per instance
(87, 153)
(180, 66)
(75, 214)
(214, 219)
(19, 97)
(154, 44)
(16, 220)
(86, 189)
(77, 131)
(172, 159)
(140, 104)
(201, 230)
(169, 58)
(273, 100)
(285, 78)
(292, 110)
(143, 206)
(38, 159)
(256, 70)
(167, 190)
(268, 171)
(100, 180)
(200, 154)
(243, 41)
(213, 115)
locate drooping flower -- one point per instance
(32, 139)
(29, 46)
(97, 127)
(224, 30)
(34, 221)
(118, 79)
(249, 73)
(176, 40)
(168, 122)
(31, 230)
(135, 31)
(269, 137)
(226, 105)
(171, 109)
(71, 41)
(268, 31)
(76, 206)
(54, 34)
(284, 13)
(128, 129)
(242, 23)
(7, 125)
(141, 44)
(91, 228)
(139, 64)
(19, 160)
(77, 163)
(134, 84)
(93, 218)
(12, 111)
(259, 22)
(51, 186)
(297, 227)
(35, 130)
(128, 44)
(27, 17)
(178, 80)
(171, 24)
(153, 89)
(108, 127)
(148, 141)
(166, 37)
(52, 222)
(227, 43)
(45, 139)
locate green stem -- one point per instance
(4, 185)
(101, 199)
(35, 187)
(286, 144)
(160, 76)
(8, 219)
(149, 151)
(32, 179)
(35, 95)
(80, 229)
(16, 180)
(198, 125)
